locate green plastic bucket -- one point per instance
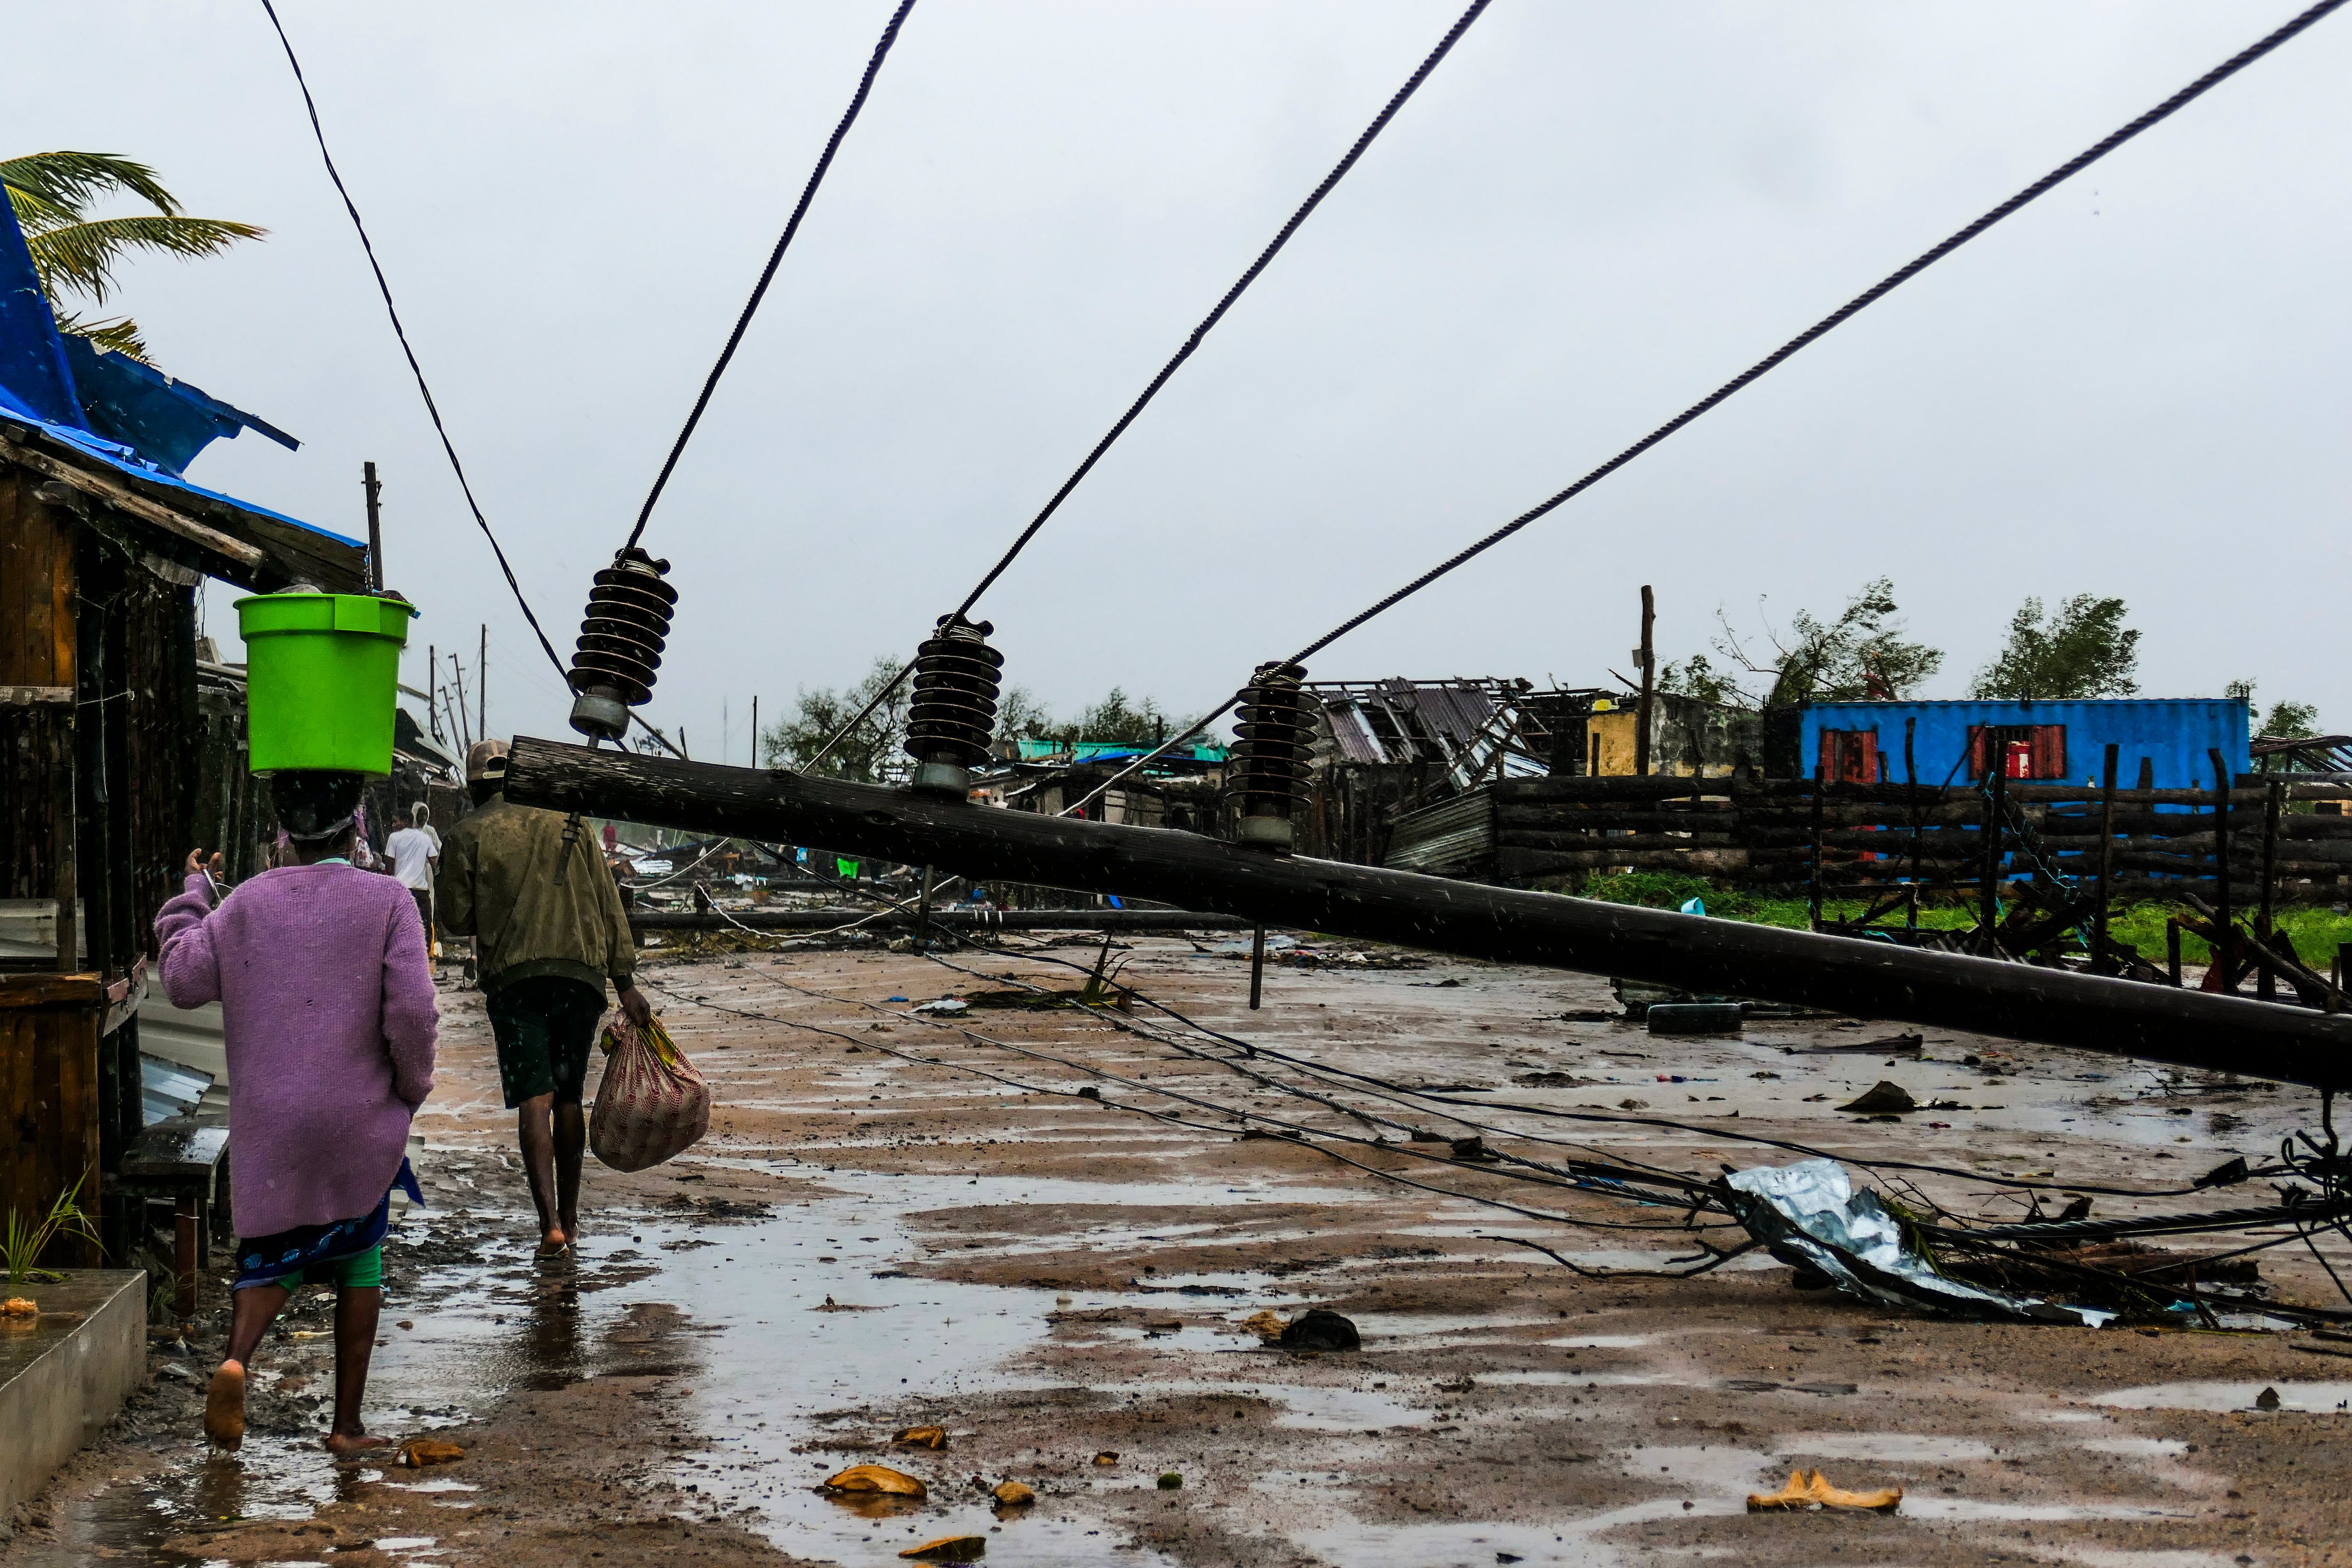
(322, 675)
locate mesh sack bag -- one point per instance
(651, 1103)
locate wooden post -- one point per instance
(2100, 962)
(1257, 964)
(1918, 824)
(2226, 948)
(923, 912)
(374, 575)
(2172, 950)
(1813, 861)
(1648, 654)
(1996, 827)
(2266, 987)
(457, 673)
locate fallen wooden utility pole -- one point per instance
(1692, 952)
(956, 920)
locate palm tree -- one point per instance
(50, 194)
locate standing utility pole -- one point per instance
(755, 730)
(482, 684)
(433, 688)
(1647, 655)
(375, 527)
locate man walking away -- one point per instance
(416, 852)
(531, 890)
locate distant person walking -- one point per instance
(549, 932)
(329, 1020)
(416, 852)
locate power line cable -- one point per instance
(775, 259)
(1901, 275)
(384, 289)
(2057, 176)
(1315, 198)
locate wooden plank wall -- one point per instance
(49, 1098)
(37, 653)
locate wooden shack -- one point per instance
(105, 738)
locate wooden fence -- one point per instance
(2041, 863)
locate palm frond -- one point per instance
(117, 334)
(70, 180)
(81, 258)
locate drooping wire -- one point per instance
(1886, 285)
(1274, 247)
(775, 259)
(384, 289)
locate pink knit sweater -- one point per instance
(327, 1002)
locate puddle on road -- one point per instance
(1894, 1448)
(2307, 1397)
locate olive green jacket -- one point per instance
(498, 886)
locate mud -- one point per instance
(867, 1243)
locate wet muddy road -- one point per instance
(910, 1221)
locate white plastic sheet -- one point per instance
(1809, 1216)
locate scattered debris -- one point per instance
(876, 1478)
(2268, 1399)
(1108, 1456)
(1266, 1324)
(1887, 1098)
(1171, 1481)
(1552, 1080)
(950, 1548)
(1693, 1017)
(1809, 1216)
(945, 1007)
(1012, 1494)
(1472, 1148)
(419, 1452)
(1808, 1489)
(19, 1307)
(1893, 1045)
(1317, 1329)
(922, 1436)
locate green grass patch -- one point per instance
(2316, 930)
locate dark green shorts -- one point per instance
(545, 1026)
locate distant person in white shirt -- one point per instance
(416, 852)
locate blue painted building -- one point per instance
(1956, 742)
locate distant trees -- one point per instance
(879, 740)
(2079, 649)
(879, 743)
(1861, 654)
(75, 255)
(2284, 721)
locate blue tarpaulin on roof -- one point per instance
(166, 421)
(34, 379)
(128, 415)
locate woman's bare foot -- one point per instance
(353, 1442)
(224, 1407)
(555, 1243)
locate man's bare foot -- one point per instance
(555, 1243)
(353, 1442)
(224, 1407)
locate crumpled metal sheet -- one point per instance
(1809, 1216)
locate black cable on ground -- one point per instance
(775, 259)
(2057, 176)
(1315, 198)
(384, 289)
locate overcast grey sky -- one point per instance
(1590, 215)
